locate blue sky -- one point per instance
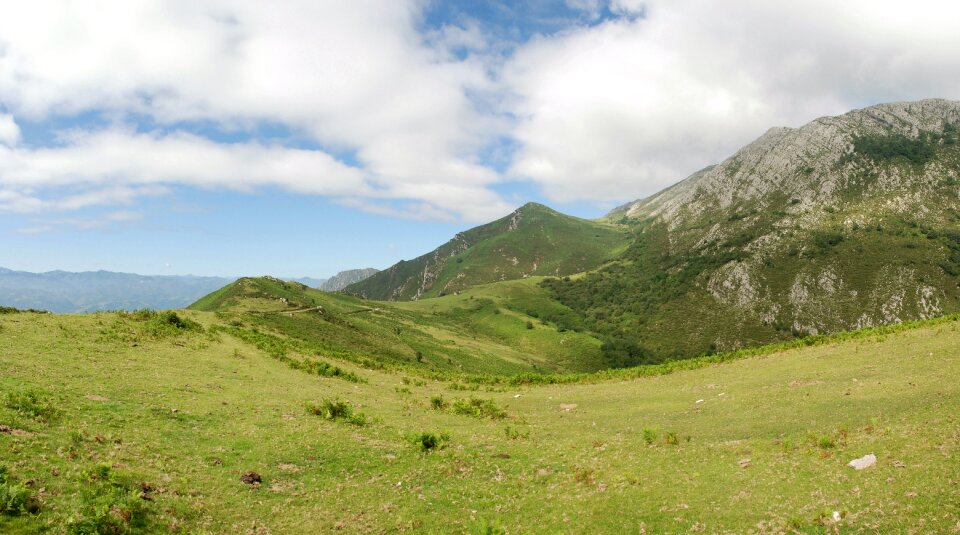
(303, 138)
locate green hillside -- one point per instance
(533, 240)
(488, 330)
(173, 422)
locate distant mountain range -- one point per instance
(90, 291)
(62, 291)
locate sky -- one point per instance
(301, 138)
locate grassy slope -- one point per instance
(588, 469)
(480, 331)
(534, 240)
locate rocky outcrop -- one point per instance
(346, 278)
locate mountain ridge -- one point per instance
(846, 222)
(89, 291)
(532, 240)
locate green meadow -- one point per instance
(188, 422)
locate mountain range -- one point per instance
(846, 222)
(62, 291)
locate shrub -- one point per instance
(15, 498)
(529, 325)
(429, 441)
(438, 403)
(32, 404)
(896, 146)
(478, 408)
(336, 410)
(671, 438)
(109, 504)
(165, 323)
(827, 239)
(649, 436)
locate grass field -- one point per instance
(145, 423)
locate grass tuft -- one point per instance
(478, 408)
(336, 410)
(32, 404)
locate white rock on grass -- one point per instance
(863, 462)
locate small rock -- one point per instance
(515, 396)
(863, 462)
(836, 516)
(174, 410)
(699, 401)
(744, 463)
(251, 478)
(899, 464)
(567, 407)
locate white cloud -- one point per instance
(625, 108)
(605, 112)
(354, 76)
(116, 164)
(9, 131)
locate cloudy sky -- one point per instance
(303, 137)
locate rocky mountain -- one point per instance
(846, 222)
(61, 291)
(346, 278)
(533, 240)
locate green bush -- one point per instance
(513, 433)
(649, 436)
(896, 146)
(438, 403)
(478, 408)
(429, 441)
(15, 498)
(32, 404)
(109, 504)
(827, 239)
(336, 410)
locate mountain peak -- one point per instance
(532, 240)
